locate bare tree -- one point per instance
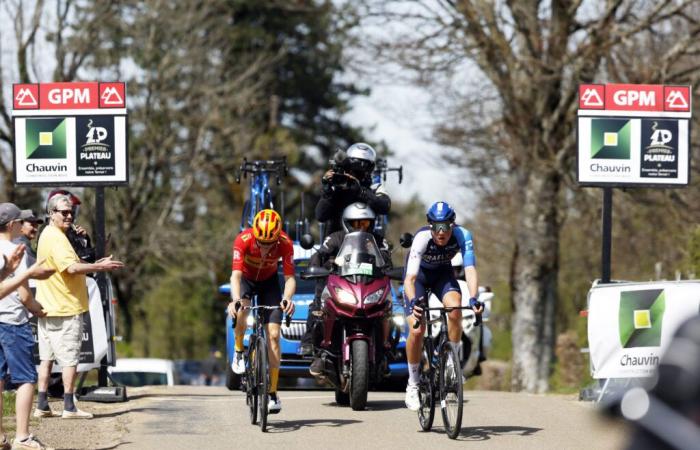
(44, 43)
(526, 59)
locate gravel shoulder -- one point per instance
(105, 431)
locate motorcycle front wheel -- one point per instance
(359, 378)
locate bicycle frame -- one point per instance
(435, 349)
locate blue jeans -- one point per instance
(16, 353)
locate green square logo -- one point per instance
(641, 316)
(610, 138)
(46, 138)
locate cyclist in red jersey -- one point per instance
(256, 253)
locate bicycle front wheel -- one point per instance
(451, 389)
(263, 382)
(251, 384)
(426, 392)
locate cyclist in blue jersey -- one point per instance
(429, 267)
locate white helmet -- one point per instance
(357, 211)
(360, 157)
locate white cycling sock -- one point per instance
(413, 377)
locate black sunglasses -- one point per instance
(440, 226)
(64, 212)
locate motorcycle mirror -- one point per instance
(406, 240)
(395, 274)
(314, 272)
(306, 241)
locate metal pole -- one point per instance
(607, 234)
(101, 277)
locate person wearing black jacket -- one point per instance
(349, 181)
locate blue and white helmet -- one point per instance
(441, 212)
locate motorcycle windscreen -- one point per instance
(359, 255)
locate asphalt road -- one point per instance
(200, 417)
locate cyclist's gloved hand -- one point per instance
(287, 306)
(476, 305)
(415, 308)
(234, 307)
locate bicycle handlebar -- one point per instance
(477, 321)
(277, 166)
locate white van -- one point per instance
(143, 372)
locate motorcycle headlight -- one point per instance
(399, 320)
(374, 297)
(345, 296)
(250, 320)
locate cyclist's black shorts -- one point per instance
(269, 294)
(440, 281)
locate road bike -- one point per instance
(256, 379)
(440, 374)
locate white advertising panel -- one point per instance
(630, 324)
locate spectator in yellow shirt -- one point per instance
(64, 298)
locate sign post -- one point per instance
(74, 134)
(632, 135)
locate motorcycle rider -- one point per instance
(356, 217)
(256, 252)
(347, 182)
(429, 267)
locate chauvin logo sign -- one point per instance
(610, 139)
(641, 317)
(46, 138)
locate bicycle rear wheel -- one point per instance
(426, 392)
(263, 382)
(451, 389)
(251, 382)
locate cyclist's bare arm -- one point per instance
(290, 287)
(409, 286)
(236, 276)
(472, 278)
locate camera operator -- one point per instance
(348, 181)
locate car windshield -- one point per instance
(359, 254)
(140, 378)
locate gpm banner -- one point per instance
(630, 324)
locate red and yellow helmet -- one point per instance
(267, 226)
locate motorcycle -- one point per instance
(355, 302)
